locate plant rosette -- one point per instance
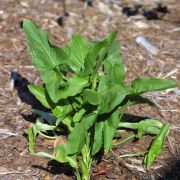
(87, 108)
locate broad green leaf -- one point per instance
(156, 146)
(41, 126)
(63, 108)
(110, 126)
(74, 86)
(68, 122)
(45, 56)
(104, 52)
(77, 102)
(147, 126)
(79, 115)
(98, 140)
(111, 96)
(60, 153)
(152, 130)
(77, 137)
(62, 112)
(102, 56)
(103, 82)
(72, 161)
(77, 50)
(53, 79)
(91, 96)
(39, 93)
(146, 84)
(114, 66)
(61, 156)
(97, 54)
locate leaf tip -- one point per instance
(25, 22)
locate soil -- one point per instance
(93, 22)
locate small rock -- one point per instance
(46, 177)
(24, 4)
(19, 168)
(140, 24)
(142, 41)
(105, 9)
(112, 175)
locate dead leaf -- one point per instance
(46, 177)
(48, 142)
(60, 140)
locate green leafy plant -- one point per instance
(85, 92)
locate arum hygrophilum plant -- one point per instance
(87, 106)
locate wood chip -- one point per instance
(5, 133)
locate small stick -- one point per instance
(64, 7)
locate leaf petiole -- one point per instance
(94, 81)
(124, 140)
(133, 154)
(46, 136)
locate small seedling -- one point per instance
(86, 104)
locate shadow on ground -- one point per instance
(21, 86)
(172, 172)
(56, 168)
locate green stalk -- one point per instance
(86, 160)
(46, 136)
(94, 81)
(124, 140)
(133, 154)
(78, 176)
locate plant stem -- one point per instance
(78, 176)
(133, 155)
(86, 160)
(124, 140)
(46, 136)
(94, 79)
